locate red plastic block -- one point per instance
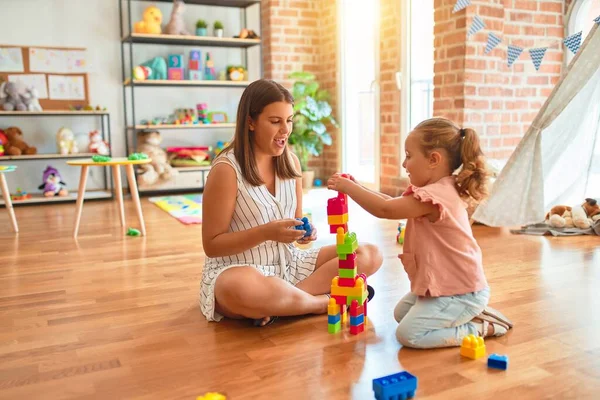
(355, 309)
(346, 282)
(333, 228)
(341, 300)
(337, 205)
(349, 262)
(355, 330)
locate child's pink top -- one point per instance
(442, 258)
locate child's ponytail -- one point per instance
(472, 179)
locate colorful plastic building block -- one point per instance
(337, 219)
(195, 75)
(100, 158)
(337, 205)
(497, 361)
(400, 234)
(400, 386)
(175, 61)
(194, 62)
(137, 156)
(212, 396)
(472, 347)
(306, 226)
(350, 245)
(133, 232)
(175, 74)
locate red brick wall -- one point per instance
(480, 90)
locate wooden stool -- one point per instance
(6, 195)
(115, 163)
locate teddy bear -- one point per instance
(11, 97)
(148, 142)
(150, 23)
(580, 216)
(65, 141)
(176, 25)
(16, 146)
(52, 183)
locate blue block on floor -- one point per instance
(357, 320)
(497, 361)
(333, 319)
(400, 386)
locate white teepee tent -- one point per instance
(558, 159)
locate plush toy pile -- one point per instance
(580, 216)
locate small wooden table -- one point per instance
(6, 195)
(115, 163)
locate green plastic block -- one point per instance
(133, 232)
(137, 156)
(347, 273)
(100, 158)
(360, 300)
(334, 328)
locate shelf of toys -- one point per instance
(181, 159)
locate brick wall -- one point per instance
(480, 90)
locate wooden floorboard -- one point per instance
(109, 316)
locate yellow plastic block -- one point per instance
(337, 219)
(472, 347)
(333, 308)
(357, 291)
(340, 236)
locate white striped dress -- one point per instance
(255, 206)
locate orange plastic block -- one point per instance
(472, 347)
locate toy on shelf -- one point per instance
(472, 347)
(149, 144)
(11, 97)
(141, 73)
(16, 146)
(100, 159)
(3, 142)
(89, 107)
(52, 183)
(202, 114)
(151, 21)
(220, 147)
(97, 145)
(498, 362)
(201, 28)
(217, 117)
(194, 71)
(402, 385)
(247, 34)
(20, 195)
(218, 29)
(175, 67)
(65, 141)
(209, 68)
(189, 156)
(186, 116)
(137, 156)
(157, 69)
(31, 99)
(347, 289)
(401, 232)
(237, 73)
(176, 26)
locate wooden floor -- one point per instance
(109, 316)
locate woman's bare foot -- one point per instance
(322, 309)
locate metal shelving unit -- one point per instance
(130, 40)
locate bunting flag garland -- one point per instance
(476, 25)
(537, 55)
(460, 4)
(492, 42)
(513, 53)
(573, 42)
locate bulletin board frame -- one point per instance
(48, 103)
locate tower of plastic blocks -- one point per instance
(348, 289)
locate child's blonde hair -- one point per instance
(464, 152)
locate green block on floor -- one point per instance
(347, 273)
(360, 299)
(334, 328)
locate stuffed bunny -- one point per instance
(176, 26)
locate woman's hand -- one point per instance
(340, 184)
(308, 239)
(283, 230)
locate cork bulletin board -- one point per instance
(58, 73)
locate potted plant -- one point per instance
(201, 27)
(311, 113)
(218, 29)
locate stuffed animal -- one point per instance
(150, 23)
(12, 98)
(149, 144)
(176, 25)
(31, 99)
(3, 142)
(581, 216)
(16, 146)
(97, 145)
(65, 141)
(157, 68)
(52, 183)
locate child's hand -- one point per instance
(308, 239)
(339, 183)
(282, 230)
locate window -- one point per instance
(421, 61)
(581, 18)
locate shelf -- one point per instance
(190, 40)
(167, 83)
(39, 198)
(51, 113)
(195, 126)
(189, 169)
(218, 3)
(47, 156)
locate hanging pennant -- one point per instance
(492, 42)
(476, 25)
(460, 4)
(573, 42)
(537, 55)
(513, 53)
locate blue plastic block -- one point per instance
(357, 320)
(400, 386)
(497, 361)
(305, 227)
(333, 319)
